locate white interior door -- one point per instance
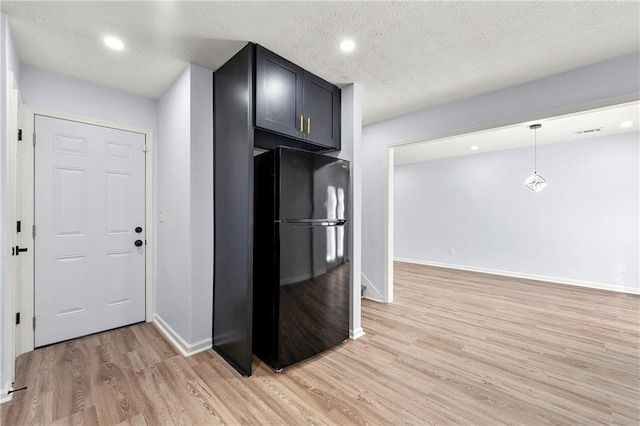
(89, 200)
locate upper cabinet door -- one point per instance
(321, 111)
(278, 94)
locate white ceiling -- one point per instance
(409, 55)
(564, 128)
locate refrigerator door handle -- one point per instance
(314, 222)
(313, 225)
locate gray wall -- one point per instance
(57, 92)
(583, 227)
(185, 192)
(173, 292)
(592, 84)
(351, 140)
(201, 202)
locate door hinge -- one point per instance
(144, 148)
(17, 318)
(19, 134)
(34, 323)
(34, 139)
(18, 226)
(33, 231)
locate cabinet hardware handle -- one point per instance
(308, 125)
(302, 124)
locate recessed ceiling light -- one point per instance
(474, 147)
(114, 43)
(347, 45)
(626, 124)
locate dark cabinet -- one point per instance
(260, 100)
(296, 103)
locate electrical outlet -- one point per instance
(623, 268)
(161, 215)
(452, 251)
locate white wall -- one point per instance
(351, 141)
(583, 227)
(173, 292)
(547, 97)
(185, 193)
(9, 63)
(57, 92)
(201, 202)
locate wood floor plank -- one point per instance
(87, 416)
(194, 394)
(455, 347)
(155, 401)
(224, 407)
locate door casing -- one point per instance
(12, 237)
(25, 301)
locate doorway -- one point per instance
(431, 238)
(102, 292)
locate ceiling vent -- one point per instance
(588, 131)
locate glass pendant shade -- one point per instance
(535, 182)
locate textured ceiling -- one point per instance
(409, 55)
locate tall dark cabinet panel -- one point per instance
(233, 196)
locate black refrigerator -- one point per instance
(300, 255)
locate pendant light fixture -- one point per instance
(535, 182)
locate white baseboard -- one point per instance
(5, 396)
(356, 334)
(370, 292)
(545, 278)
(186, 349)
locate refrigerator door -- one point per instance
(314, 288)
(311, 186)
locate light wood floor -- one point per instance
(455, 347)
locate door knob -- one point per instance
(138, 229)
(138, 243)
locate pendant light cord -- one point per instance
(535, 151)
(535, 128)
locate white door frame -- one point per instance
(390, 164)
(13, 96)
(26, 169)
